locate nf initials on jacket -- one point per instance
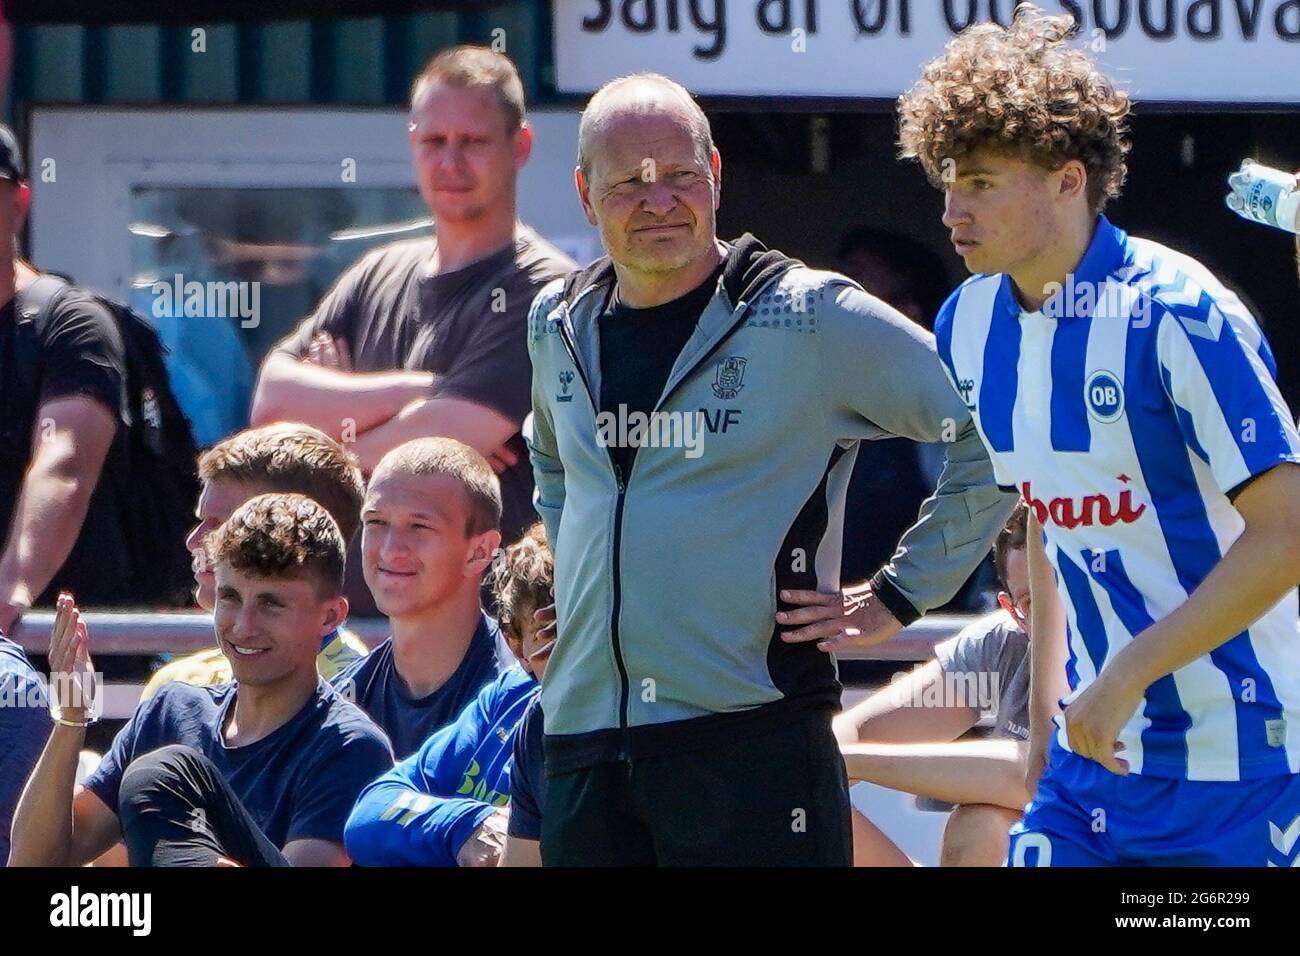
(667, 577)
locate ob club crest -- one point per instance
(1104, 396)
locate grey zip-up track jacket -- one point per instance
(666, 579)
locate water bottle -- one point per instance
(1265, 195)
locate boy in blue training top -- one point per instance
(447, 804)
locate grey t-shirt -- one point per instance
(991, 654)
(468, 327)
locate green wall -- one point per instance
(354, 62)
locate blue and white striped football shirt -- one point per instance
(1126, 411)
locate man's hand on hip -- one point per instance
(837, 620)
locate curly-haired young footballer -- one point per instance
(1130, 397)
(259, 772)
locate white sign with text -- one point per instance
(1228, 51)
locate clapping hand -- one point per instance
(72, 674)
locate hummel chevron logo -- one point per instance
(566, 379)
(1208, 329)
(1284, 841)
(1181, 292)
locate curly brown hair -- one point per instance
(522, 579)
(1020, 90)
(282, 537)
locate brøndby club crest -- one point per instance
(731, 377)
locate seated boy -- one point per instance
(446, 804)
(904, 736)
(258, 772)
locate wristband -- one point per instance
(56, 715)
(73, 723)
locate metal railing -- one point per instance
(146, 633)
(151, 633)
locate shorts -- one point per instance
(780, 798)
(1084, 815)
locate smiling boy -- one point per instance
(258, 772)
(430, 527)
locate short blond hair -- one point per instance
(470, 66)
(1020, 90)
(446, 456)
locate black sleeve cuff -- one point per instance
(527, 827)
(893, 599)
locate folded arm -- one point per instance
(333, 400)
(482, 428)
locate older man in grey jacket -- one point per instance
(697, 406)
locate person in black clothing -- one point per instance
(56, 433)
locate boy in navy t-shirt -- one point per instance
(430, 527)
(258, 772)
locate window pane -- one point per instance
(225, 273)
